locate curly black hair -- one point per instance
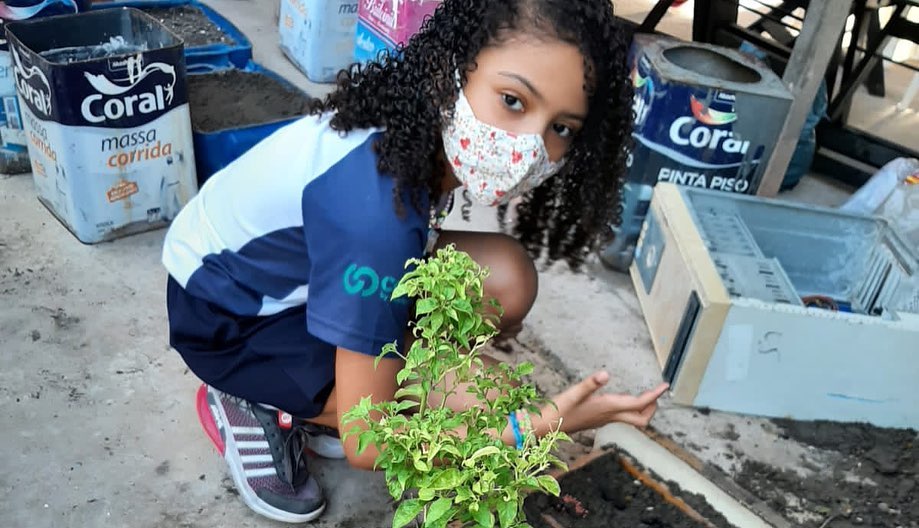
(411, 91)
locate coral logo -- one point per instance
(637, 80)
(112, 101)
(640, 103)
(32, 83)
(710, 116)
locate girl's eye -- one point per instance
(562, 131)
(512, 102)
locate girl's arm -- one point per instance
(355, 378)
(581, 407)
(576, 409)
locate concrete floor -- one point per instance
(98, 411)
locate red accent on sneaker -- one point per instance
(207, 419)
(285, 420)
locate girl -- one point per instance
(281, 268)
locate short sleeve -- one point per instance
(358, 247)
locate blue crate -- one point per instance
(218, 55)
(216, 150)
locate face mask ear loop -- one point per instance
(456, 75)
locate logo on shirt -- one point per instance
(366, 282)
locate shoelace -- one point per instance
(294, 446)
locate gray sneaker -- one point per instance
(266, 460)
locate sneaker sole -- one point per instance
(227, 448)
(206, 418)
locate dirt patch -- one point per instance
(603, 494)
(872, 482)
(234, 98)
(191, 25)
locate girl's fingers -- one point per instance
(583, 390)
(648, 397)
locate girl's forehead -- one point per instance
(554, 68)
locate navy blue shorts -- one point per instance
(271, 360)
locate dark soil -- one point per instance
(234, 98)
(190, 24)
(603, 494)
(888, 458)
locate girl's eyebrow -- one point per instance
(574, 117)
(524, 81)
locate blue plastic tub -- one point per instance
(215, 150)
(236, 55)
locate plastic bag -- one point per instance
(892, 193)
(876, 190)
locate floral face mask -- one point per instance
(494, 165)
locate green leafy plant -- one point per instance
(449, 467)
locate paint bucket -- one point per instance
(107, 120)
(705, 116)
(318, 35)
(14, 154)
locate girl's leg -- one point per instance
(512, 280)
(230, 355)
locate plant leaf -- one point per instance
(395, 489)
(549, 485)
(485, 451)
(463, 494)
(448, 479)
(425, 306)
(406, 512)
(437, 321)
(437, 509)
(405, 405)
(364, 440)
(412, 390)
(525, 369)
(402, 375)
(507, 513)
(421, 466)
(462, 305)
(484, 517)
(401, 290)
(425, 494)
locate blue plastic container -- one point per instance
(215, 150)
(236, 55)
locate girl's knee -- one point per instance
(512, 278)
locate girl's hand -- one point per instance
(581, 407)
